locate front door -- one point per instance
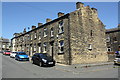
(52, 49)
(31, 51)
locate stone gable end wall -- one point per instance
(82, 22)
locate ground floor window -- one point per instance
(61, 46)
(108, 49)
(34, 47)
(45, 47)
(39, 47)
(27, 48)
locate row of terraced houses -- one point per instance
(73, 38)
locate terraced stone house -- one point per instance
(113, 39)
(73, 38)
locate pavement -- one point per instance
(78, 67)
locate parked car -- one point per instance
(117, 60)
(6, 52)
(21, 56)
(42, 59)
(1, 52)
(12, 54)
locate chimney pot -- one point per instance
(118, 25)
(88, 7)
(60, 14)
(33, 27)
(24, 30)
(40, 24)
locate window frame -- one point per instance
(45, 32)
(61, 46)
(44, 47)
(61, 27)
(39, 48)
(51, 32)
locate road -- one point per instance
(15, 69)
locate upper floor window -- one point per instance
(45, 32)
(23, 38)
(114, 39)
(51, 32)
(89, 47)
(108, 39)
(28, 37)
(31, 37)
(35, 35)
(18, 40)
(39, 34)
(61, 29)
(91, 33)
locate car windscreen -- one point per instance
(44, 55)
(22, 53)
(117, 56)
(14, 53)
(7, 51)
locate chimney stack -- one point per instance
(118, 25)
(24, 30)
(48, 20)
(33, 27)
(94, 10)
(40, 24)
(79, 5)
(60, 14)
(88, 7)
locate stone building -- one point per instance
(4, 44)
(113, 39)
(0, 44)
(73, 38)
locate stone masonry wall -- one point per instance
(87, 32)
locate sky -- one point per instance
(19, 15)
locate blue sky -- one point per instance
(19, 15)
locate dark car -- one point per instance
(21, 56)
(43, 59)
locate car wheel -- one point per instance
(53, 64)
(115, 63)
(18, 59)
(40, 64)
(15, 58)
